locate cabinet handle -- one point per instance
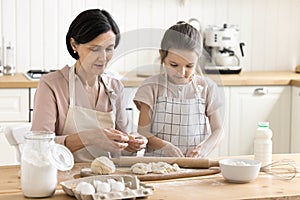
(260, 91)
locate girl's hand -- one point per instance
(171, 150)
(196, 152)
(193, 153)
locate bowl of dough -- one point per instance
(239, 170)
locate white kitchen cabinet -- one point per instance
(295, 125)
(14, 105)
(248, 106)
(132, 111)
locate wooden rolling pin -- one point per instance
(195, 163)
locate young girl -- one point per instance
(180, 111)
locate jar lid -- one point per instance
(61, 157)
(40, 135)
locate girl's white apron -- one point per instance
(180, 121)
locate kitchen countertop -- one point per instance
(19, 80)
(131, 80)
(260, 78)
(210, 187)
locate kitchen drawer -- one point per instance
(14, 105)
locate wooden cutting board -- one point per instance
(183, 173)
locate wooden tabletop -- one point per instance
(132, 80)
(207, 187)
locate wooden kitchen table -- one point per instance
(204, 187)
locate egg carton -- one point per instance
(133, 188)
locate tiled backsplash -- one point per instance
(37, 29)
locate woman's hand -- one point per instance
(109, 140)
(118, 138)
(136, 142)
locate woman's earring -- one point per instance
(75, 51)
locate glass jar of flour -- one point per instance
(40, 159)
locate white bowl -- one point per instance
(239, 170)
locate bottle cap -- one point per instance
(263, 124)
(61, 157)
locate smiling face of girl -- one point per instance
(180, 65)
(95, 54)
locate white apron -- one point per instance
(180, 121)
(81, 119)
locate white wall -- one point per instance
(37, 29)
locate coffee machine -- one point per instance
(221, 44)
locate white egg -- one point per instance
(86, 188)
(111, 181)
(117, 186)
(103, 187)
(79, 186)
(96, 183)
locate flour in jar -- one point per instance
(38, 175)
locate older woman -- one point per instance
(82, 105)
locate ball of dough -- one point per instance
(164, 168)
(141, 168)
(103, 165)
(131, 137)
